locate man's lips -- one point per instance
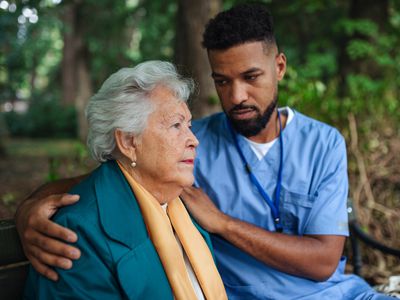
(243, 113)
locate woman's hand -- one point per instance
(40, 236)
(204, 211)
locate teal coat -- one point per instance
(118, 259)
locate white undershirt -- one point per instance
(193, 279)
(261, 149)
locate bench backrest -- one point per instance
(13, 263)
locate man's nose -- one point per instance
(238, 93)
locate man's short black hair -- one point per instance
(240, 24)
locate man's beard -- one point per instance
(253, 126)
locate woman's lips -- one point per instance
(188, 161)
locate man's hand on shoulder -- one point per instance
(204, 210)
(41, 237)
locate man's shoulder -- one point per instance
(309, 125)
(305, 120)
(210, 128)
(209, 120)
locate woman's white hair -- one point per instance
(123, 102)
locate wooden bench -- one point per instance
(14, 265)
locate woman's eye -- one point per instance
(177, 125)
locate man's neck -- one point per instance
(271, 130)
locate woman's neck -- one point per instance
(162, 192)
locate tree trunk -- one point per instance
(190, 56)
(84, 92)
(76, 79)
(32, 81)
(3, 135)
(68, 66)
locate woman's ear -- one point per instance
(125, 142)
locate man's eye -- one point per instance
(220, 82)
(177, 125)
(251, 77)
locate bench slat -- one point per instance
(11, 250)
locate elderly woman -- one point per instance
(136, 237)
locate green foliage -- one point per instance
(8, 199)
(157, 28)
(36, 148)
(360, 49)
(52, 174)
(310, 95)
(29, 52)
(110, 34)
(143, 29)
(43, 119)
(81, 151)
(351, 27)
(213, 100)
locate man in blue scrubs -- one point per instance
(277, 179)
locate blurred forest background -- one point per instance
(343, 69)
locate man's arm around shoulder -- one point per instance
(40, 236)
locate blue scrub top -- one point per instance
(312, 201)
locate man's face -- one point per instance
(246, 79)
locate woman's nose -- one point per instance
(192, 139)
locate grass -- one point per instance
(28, 163)
(45, 148)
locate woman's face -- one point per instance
(165, 151)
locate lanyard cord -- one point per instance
(274, 206)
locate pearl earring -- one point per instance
(133, 164)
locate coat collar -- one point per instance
(119, 213)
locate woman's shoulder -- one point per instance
(101, 193)
(86, 208)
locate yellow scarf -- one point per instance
(162, 235)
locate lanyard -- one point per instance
(274, 206)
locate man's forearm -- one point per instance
(56, 187)
(40, 237)
(314, 257)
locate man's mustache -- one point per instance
(241, 107)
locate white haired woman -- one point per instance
(136, 237)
